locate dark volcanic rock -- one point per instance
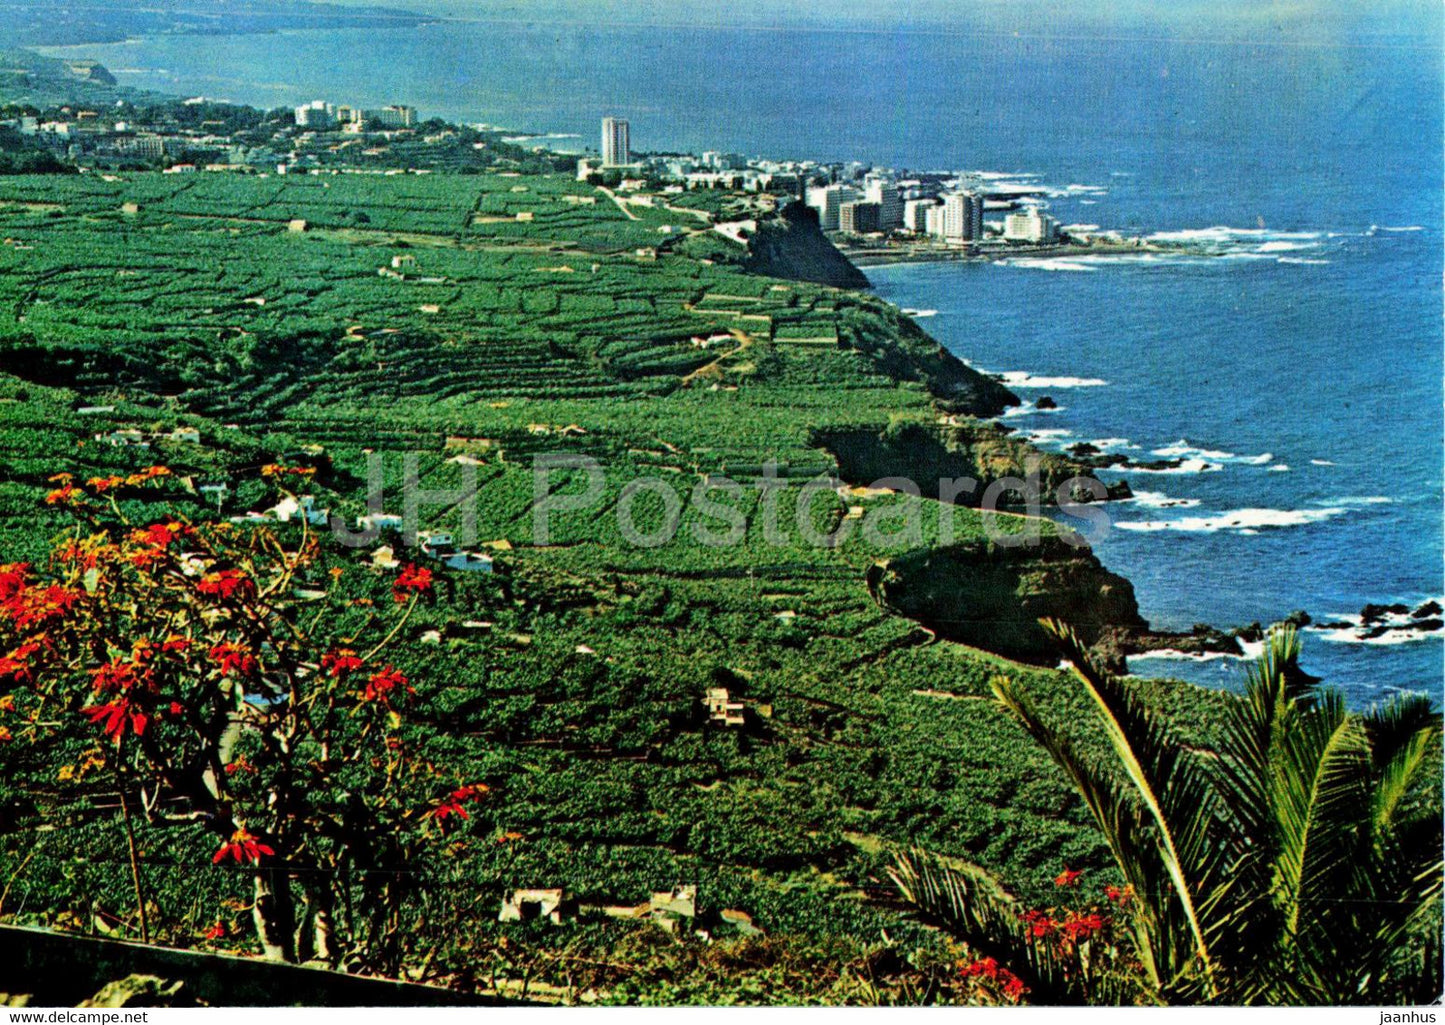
(1298, 618)
(1044, 402)
(792, 245)
(931, 454)
(1428, 610)
(1373, 613)
(992, 597)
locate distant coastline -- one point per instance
(909, 251)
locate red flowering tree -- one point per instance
(1077, 951)
(223, 703)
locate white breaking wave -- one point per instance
(1279, 468)
(1303, 261)
(1111, 444)
(1048, 434)
(1222, 234)
(1029, 409)
(1321, 462)
(1182, 448)
(1159, 500)
(1185, 449)
(1365, 500)
(1175, 655)
(1351, 636)
(1237, 520)
(1186, 466)
(920, 314)
(1036, 263)
(1076, 189)
(1408, 227)
(1024, 379)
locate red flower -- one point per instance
(1013, 986)
(452, 803)
(987, 968)
(175, 642)
(242, 764)
(1068, 877)
(114, 716)
(177, 709)
(215, 932)
(411, 580)
(31, 606)
(1118, 896)
(384, 684)
(66, 495)
(277, 470)
(160, 534)
(244, 847)
(233, 658)
(104, 484)
(1040, 924)
(12, 579)
(1081, 926)
(148, 474)
(226, 584)
(15, 667)
(118, 677)
(340, 662)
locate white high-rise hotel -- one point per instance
(616, 142)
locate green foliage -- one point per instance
(1296, 861)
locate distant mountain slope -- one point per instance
(49, 23)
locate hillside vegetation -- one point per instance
(477, 321)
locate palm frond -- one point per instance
(968, 903)
(1168, 781)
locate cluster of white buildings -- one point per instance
(319, 115)
(856, 202)
(879, 205)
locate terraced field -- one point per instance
(421, 314)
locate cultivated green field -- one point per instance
(422, 314)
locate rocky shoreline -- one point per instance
(890, 253)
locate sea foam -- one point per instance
(1236, 520)
(1024, 379)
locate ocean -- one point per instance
(1293, 361)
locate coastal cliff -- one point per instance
(793, 246)
(992, 597)
(929, 454)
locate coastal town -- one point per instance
(873, 214)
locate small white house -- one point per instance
(379, 521)
(186, 434)
(469, 562)
(126, 437)
(290, 508)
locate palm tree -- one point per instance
(1298, 862)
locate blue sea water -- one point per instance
(1312, 335)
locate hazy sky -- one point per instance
(1336, 22)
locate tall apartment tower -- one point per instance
(616, 142)
(963, 216)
